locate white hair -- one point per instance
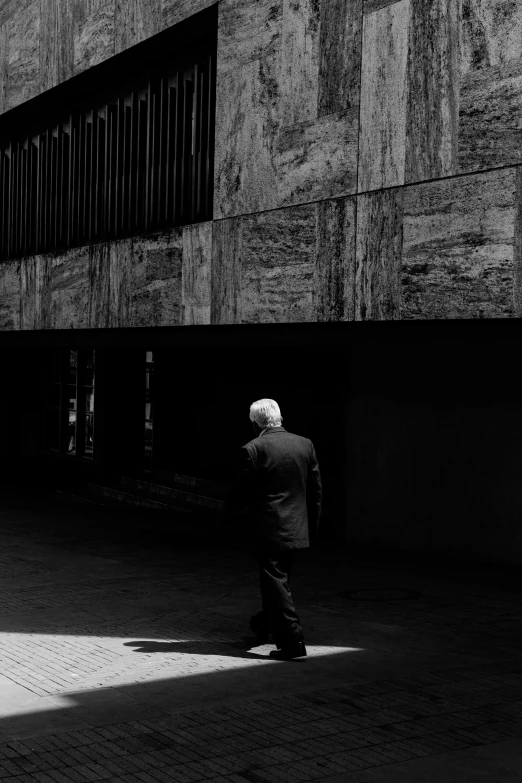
(266, 413)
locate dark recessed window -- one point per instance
(70, 402)
(149, 409)
(129, 148)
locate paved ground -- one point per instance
(127, 659)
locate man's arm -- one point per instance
(314, 493)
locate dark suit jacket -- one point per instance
(278, 479)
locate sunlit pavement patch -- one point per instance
(313, 650)
(45, 664)
(128, 666)
(109, 692)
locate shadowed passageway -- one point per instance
(127, 657)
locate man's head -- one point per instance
(265, 413)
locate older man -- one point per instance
(278, 479)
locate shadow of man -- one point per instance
(201, 647)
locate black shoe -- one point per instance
(295, 650)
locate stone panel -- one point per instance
(134, 21)
(517, 249)
(23, 58)
(300, 61)
(491, 33)
(227, 239)
(433, 90)
(45, 42)
(174, 11)
(271, 148)
(490, 131)
(248, 31)
(248, 103)
(197, 264)
(35, 293)
(318, 159)
(9, 296)
(382, 154)
(277, 266)
(120, 266)
(334, 282)
(155, 283)
(56, 42)
(70, 282)
(379, 252)
(99, 285)
(247, 122)
(8, 8)
(340, 55)
(4, 65)
(459, 248)
(132, 282)
(409, 93)
(93, 33)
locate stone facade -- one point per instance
(367, 165)
(154, 280)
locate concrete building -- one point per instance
(316, 201)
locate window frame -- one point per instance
(148, 450)
(62, 361)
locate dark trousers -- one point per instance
(278, 615)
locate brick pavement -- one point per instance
(122, 659)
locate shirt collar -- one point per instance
(278, 426)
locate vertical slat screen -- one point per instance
(53, 188)
(149, 156)
(2, 197)
(35, 174)
(91, 179)
(162, 151)
(141, 152)
(13, 216)
(140, 163)
(57, 183)
(80, 182)
(120, 139)
(178, 148)
(100, 176)
(23, 198)
(133, 164)
(40, 194)
(14, 197)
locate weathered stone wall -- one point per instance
(405, 117)
(45, 42)
(155, 280)
(367, 165)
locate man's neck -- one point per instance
(273, 426)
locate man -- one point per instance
(278, 479)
